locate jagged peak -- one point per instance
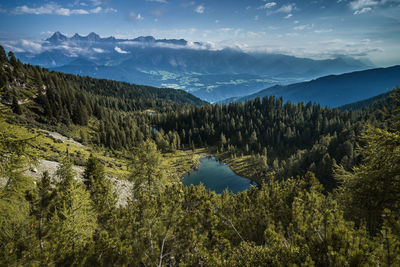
(93, 35)
(145, 39)
(57, 36)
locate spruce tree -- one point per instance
(99, 187)
(3, 56)
(74, 220)
(15, 106)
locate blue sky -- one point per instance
(317, 29)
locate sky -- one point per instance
(319, 29)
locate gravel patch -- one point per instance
(62, 138)
(123, 188)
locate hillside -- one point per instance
(90, 175)
(371, 103)
(334, 90)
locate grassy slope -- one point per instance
(52, 146)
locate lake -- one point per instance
(216, 176)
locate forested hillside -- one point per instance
(373, 103)
(334, 90)
(291, 139)
(69, 92)
(58, 100)
(328, 191)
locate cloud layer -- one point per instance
(55, 9)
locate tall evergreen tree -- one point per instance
(3, 56)
(74, 220)
(100, 188)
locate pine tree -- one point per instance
(74, 220)
(3, 56)
(16, 237)
(15, 106)
(12, 59)
(373, 186)
(99, 187)
(147, 173)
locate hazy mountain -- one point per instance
(334, 90)
(195, 67)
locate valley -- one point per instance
(208, 73)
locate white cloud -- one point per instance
(389, 1)
(200, 9)
(226, 29)
(323, 31)
(98, 50)
(54, 9)
(286, 9)
(119, 50)
(252, 34)
(30, 46)
(96, 10)
(364, 6)
(158, 1)
(237, 32)
(134, 16)
(303, 27)
(363, 10)
(190, 45)
(110, 10)
(359, 4)
(96, 2)
(267, 5)
(256, 17)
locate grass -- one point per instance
(44, 146)
(182, 161)
(245, 166)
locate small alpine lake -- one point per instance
(216, 176)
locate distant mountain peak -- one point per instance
(57, 37)
(145, 39)
(93, 35)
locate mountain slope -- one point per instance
(31, 83)
(209, 73)
(335, 90)
(376, 101)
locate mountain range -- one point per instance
(334, 90)
(196, 67)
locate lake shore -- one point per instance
(242, 166)
(217, 176)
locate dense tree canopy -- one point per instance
(290, 219)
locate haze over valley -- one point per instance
(211, 74)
